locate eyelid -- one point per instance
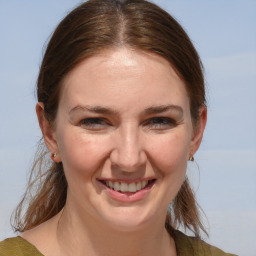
(163, 122)
(93, 121)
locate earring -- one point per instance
(191, 159)
(53, 155)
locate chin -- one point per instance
(128, 219)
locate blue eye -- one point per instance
(94, 123)
(160, 123)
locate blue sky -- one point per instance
(224, 33)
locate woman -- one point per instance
(121, 105)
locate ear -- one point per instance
(198, 130)
(48, 133)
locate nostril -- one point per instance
(128, 154)
(128, 163)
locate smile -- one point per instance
(125, 187)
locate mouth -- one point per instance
(128, 187)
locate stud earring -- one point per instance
(53, 155)
(191, 159)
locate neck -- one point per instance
(77, 235)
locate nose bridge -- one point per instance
(128, 152)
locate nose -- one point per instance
(128, 153)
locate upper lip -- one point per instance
(126, 180)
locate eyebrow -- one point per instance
(163, 108)
(108, 111)
(94, 109)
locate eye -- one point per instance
(160, 123)
(94, 123)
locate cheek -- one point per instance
(170, 153)
(169, 157)
(82, 154)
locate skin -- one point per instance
(123, 115)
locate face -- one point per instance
(124, 134)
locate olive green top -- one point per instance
(186, 246)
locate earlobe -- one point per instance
(198, 130)
(48, 132)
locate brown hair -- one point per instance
(90, 28)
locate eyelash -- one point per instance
(152, 123)
(93, 123)
(160, 123)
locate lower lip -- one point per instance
(127, 197)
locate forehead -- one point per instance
(123, 73)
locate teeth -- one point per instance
(132, 187)
(138, 186)
(116, 186)
(110, 184)
(125, 187)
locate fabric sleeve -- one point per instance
(17, 246)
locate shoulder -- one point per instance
(187, 245)
(17, 246)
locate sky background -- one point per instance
(224, 174)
